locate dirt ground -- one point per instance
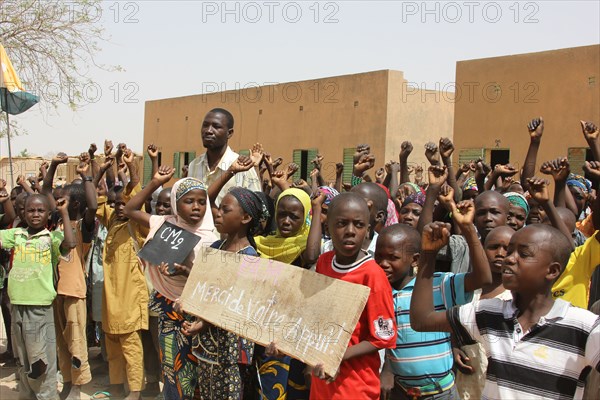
(8, 382)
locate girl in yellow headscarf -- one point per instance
(292, 217)
(283, 378)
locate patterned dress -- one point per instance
(179, 365)
(223, 357)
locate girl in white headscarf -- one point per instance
(189, 203)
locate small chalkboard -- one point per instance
(170, 244)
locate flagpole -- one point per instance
(10, 161)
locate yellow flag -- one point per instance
(8, 78)
(13, 98)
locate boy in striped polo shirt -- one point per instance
(537, 348)
(421, 364)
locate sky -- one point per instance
(179, 48)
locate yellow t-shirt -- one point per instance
(574, 283)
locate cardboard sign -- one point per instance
(309, 316)
(171, 244)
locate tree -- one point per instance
(24, 153)
(52, 45)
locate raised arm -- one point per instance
(481, 172)
(103, 168)
(423, 317)
(405, 149)
(89, 216)
(313, 243)
(21, 181)
(559, 169)
(393, 185)
(70, 241)
(463, 214)
(110, 172)
(60, 158)
(594, 170)
(153, 154)
(133, 208)
(242, 164)
(437, 177)
(134, 177)
(9, 211)
(339, 174)
(536, 130)
(592, 137)
(500, 171)
(318, 164)
(95, 168)
(446, 149)
(431, 152)
(538, 189)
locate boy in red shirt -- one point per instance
(358, 375)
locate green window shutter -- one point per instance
(297, 159)
(177, 164)
(147, 169)
(348, 164)
(467, 155)
(191, 156)
(244, 153)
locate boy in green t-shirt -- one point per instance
(31, 289)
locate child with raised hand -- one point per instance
(538, 189)
(358, 376)
(31, 289)
(70, 306)
(125, 296)
(422, 365)
(223, 357)
(470, 360)
(537, 347)
(189, 204)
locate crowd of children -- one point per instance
(479, 282)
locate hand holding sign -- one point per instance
(169, 249)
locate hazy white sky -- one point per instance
(178, 48)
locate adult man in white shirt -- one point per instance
(216, 130)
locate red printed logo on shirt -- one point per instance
(384, 328)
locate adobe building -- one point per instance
(497, 97)
(297, 120)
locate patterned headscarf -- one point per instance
(470, 184)
(580, 182)
(187, 185)
(519, 200)
(268, 212)
(329, 193)
(252, 205)
(413, 186)
(417, 198)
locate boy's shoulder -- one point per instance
(571, 315)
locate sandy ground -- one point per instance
(8, 383)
